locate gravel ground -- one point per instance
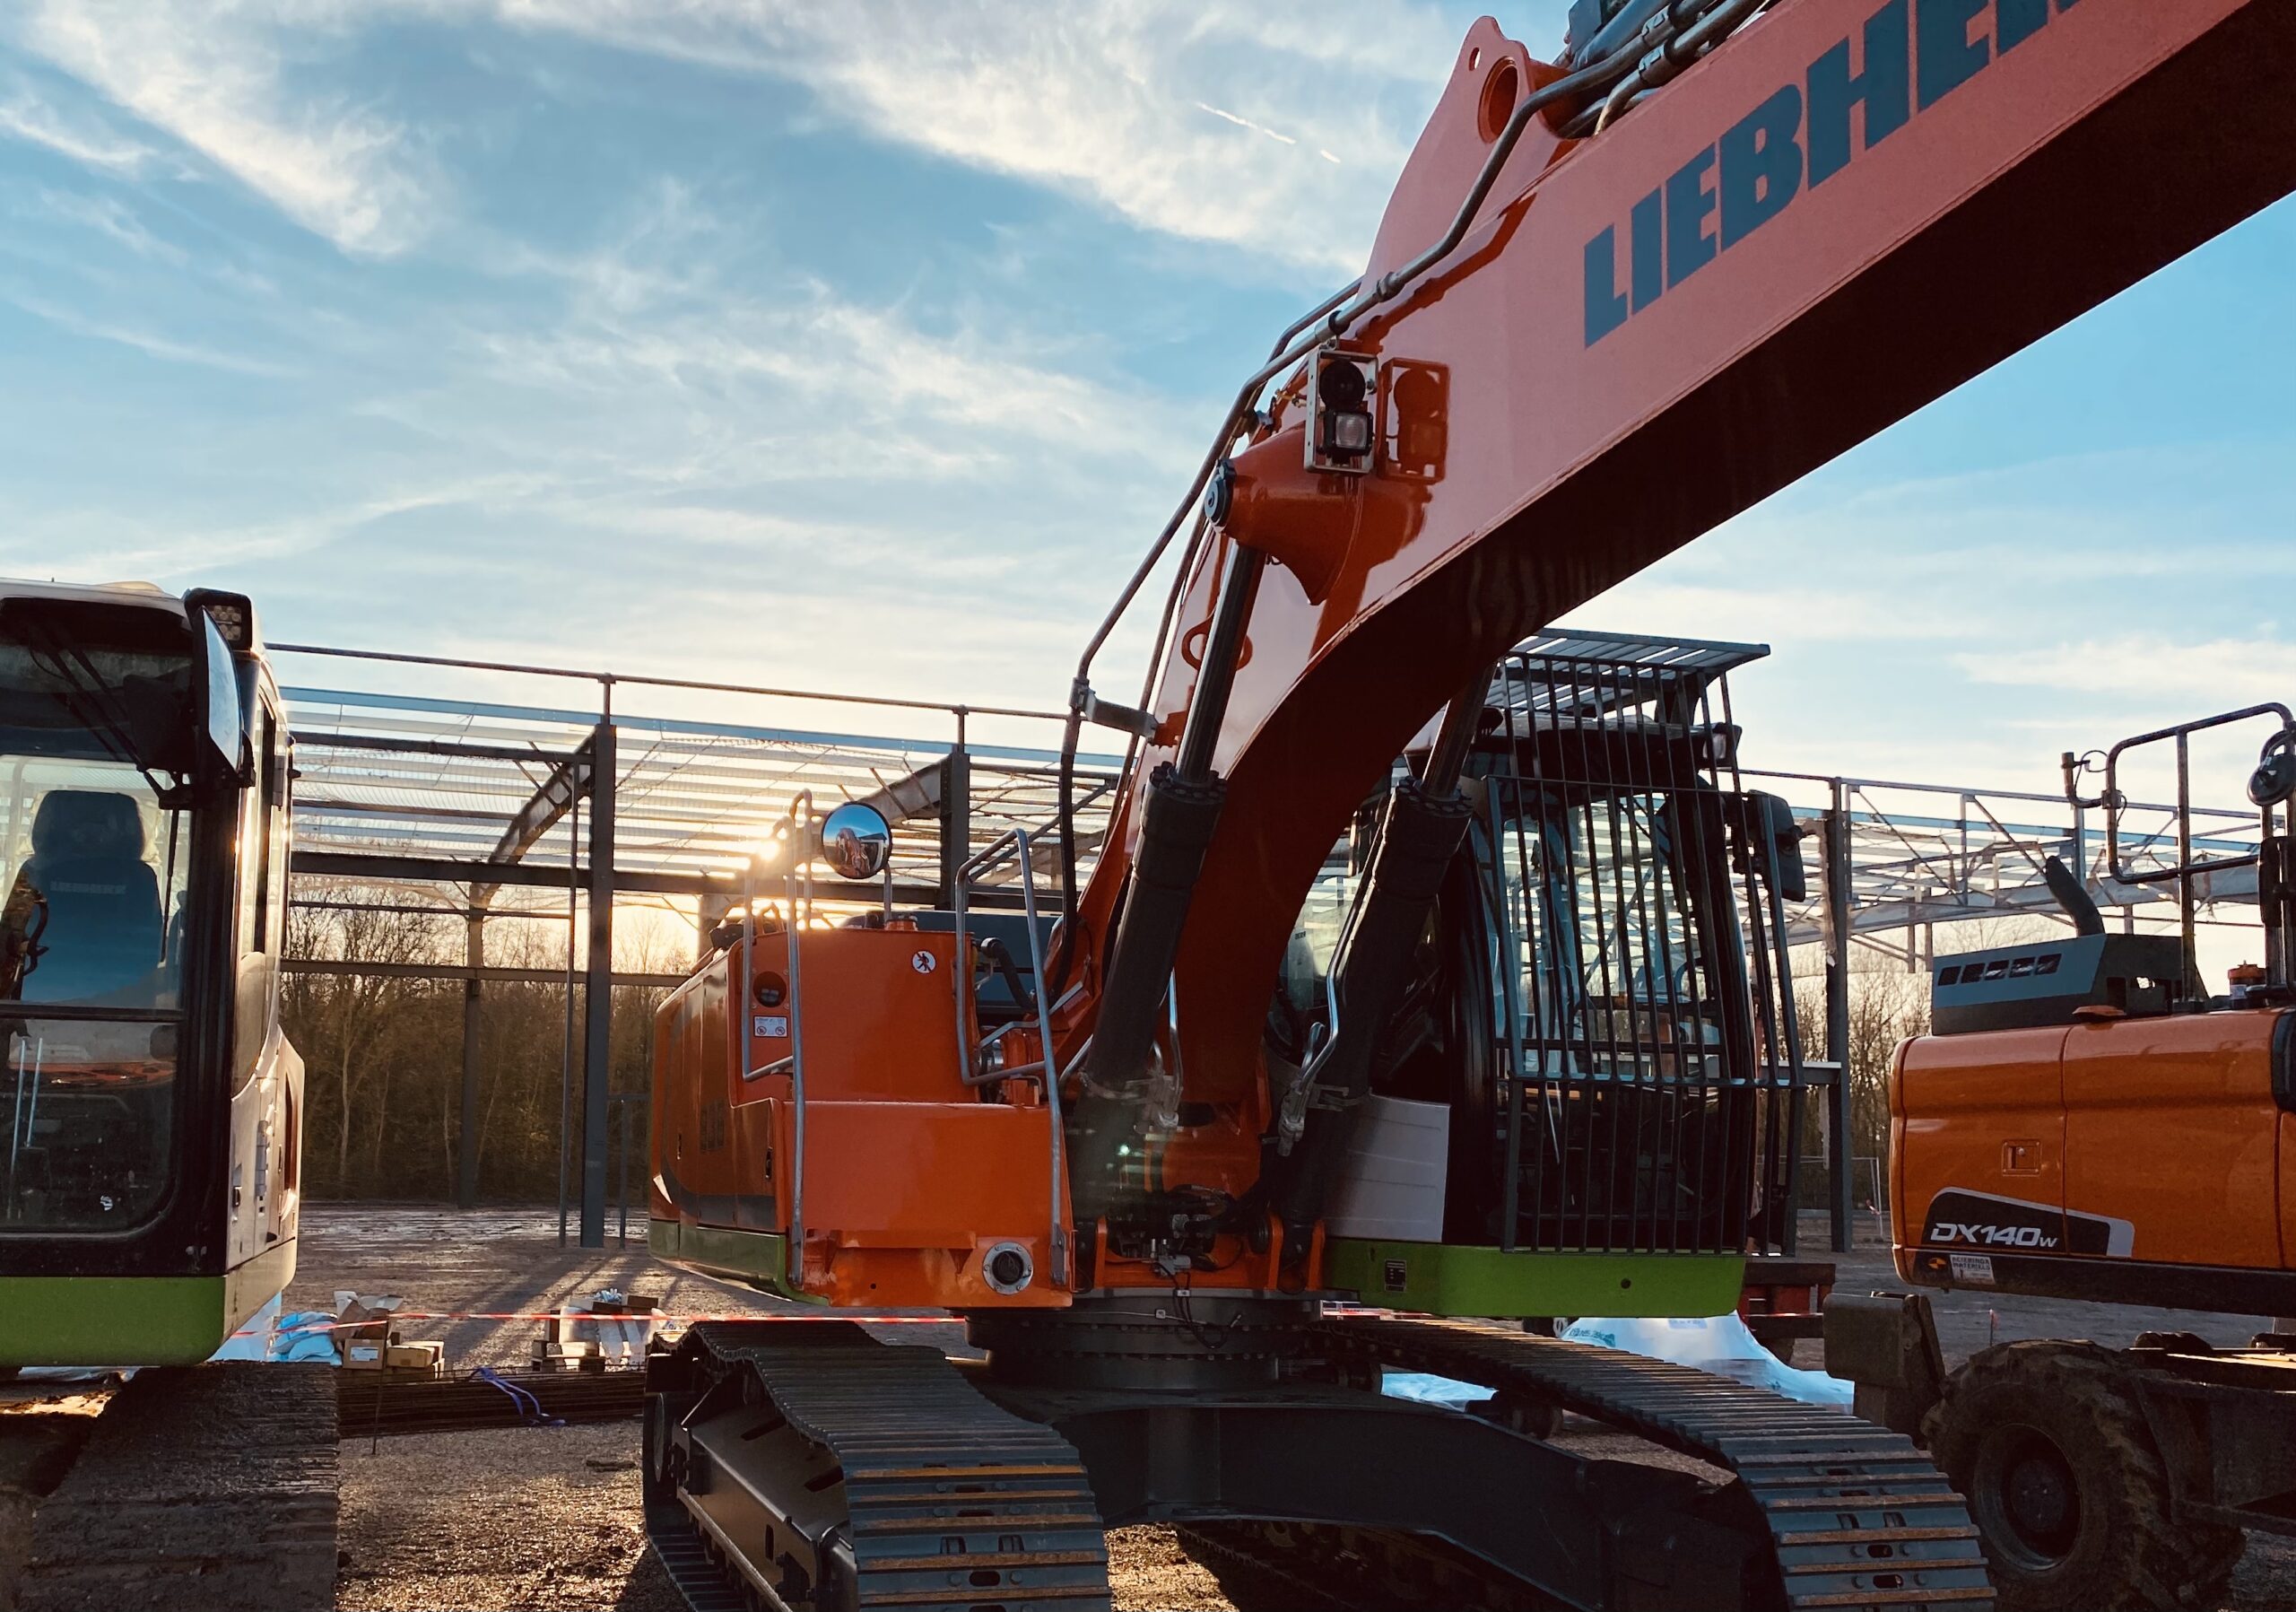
(39, 1436)
(540, 1517)
(549, 1518)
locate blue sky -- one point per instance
(865, 347)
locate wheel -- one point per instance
(2069, 1492)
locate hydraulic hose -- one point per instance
(1180, 814)
(1331, 317)
(1425, 821)
(1695, 27)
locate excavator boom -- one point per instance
(1844, 212)
(1614, 302)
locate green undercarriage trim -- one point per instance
(133, 1320)
(760, 1259)
(1442, 1279)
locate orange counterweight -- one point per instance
(2139, 1144)
(910, 1188)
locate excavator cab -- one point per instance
(1602, 1005)
(150, 1104)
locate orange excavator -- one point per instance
(2087, 1121)
(1615, 299)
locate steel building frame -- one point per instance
(492, 811)
(476, 809)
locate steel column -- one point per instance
(1840, 1140)
(466, 1142)
(956, 820)
(597, 994)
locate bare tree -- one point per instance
(1885, 1007)
(384, 1050)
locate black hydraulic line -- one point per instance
(1503, 798)
(1208, 706)
(1176, 824)
(1420, 836)
(1331, 317)
(999, 957)
(1064, 953)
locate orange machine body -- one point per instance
(1556, 413)
(2136, 1159)
(910, 1177)
(1847, 210)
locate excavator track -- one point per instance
(1860, 1517)
(1856, 1517)
(208, 1488)
(1312, 1567)
(949, 1505)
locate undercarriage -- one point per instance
(807, 1465)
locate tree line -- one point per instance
(1885, 1007)
(383, 1054)
(383, 1057)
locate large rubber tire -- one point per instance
(2069, 1488)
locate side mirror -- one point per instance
(857, 841)
(225, 725)
(1776, 840)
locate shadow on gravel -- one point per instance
(648, 1589)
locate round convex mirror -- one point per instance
(857, 841)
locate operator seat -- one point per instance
(104, 917)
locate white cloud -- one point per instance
(1311, 112)
(1791, 612)
(2152, 666)
(213, 77)
(104, 543)
(659, 328)
(108, 217)
(25, 116)
(1309, 116)
(149, 342)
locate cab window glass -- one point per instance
(255, 839)
(96, 807)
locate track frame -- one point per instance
(1263, 1429)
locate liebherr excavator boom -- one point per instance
(1616, 299)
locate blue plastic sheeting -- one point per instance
(253, 1339)
(306, 1335)
(294, 1342)
(1719, 1344)
(1429, 1390)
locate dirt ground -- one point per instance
(549, 1517)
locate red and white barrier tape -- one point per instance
(393, 1318)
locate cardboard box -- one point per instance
(427, 1358)
(364, 1321)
